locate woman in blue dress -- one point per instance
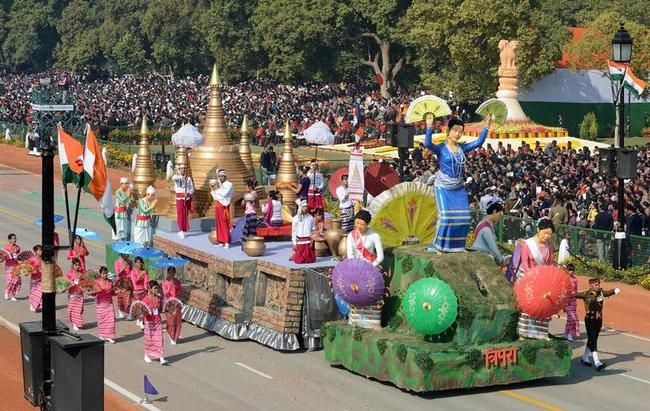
(451, 196)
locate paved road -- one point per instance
(209, 372)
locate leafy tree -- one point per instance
(229, 35)
(462, 58)
(301, 37)
(79, 44)
(589, 127)
(628, 10)
(122, 39)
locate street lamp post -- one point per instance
(622, 53)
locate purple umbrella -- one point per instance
(237, 232)
(358, 282)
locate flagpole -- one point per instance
(79, 187)
(67, 211)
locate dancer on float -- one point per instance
(536, 251)
(142, 231)
(184, 189)
(222, 190)
(451, 196)
(12, 282)
(484, 235)
(75, 309)
(272, 210)
(364, 242)
(316, 183)
(250, 212)
(172, 288)
(346, 207)
(123, 199)
(103, 288)
(302, 230)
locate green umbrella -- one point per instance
(430, 306)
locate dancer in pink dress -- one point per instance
(35, 292)
(79, 251)
(153, 338)
(13, 282)
(103, 288)
(75, 296)
(123, 286)
(140, 279)
(172, 289)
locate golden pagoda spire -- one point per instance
(245, 147)
(143, 175)
(218, 151)
(287, 179)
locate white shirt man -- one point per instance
(222, 191)
(302, 228)
(184, 188)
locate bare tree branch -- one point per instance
(397, 67)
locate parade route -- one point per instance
(209, 372)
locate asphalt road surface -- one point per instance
(207, 372)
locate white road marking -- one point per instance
(268, 377)
(123, 391)
(634, 378)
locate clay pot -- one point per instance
(342, 248)
(333, 236)
(213, 236)
(254, 246)
(320, 248)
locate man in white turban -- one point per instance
(302, 229)
(184, 189)
(222, 190)
(142, 232)
(121, 205)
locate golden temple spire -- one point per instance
(245, 147)
(214, 78)
(143, 175)
(287, 179)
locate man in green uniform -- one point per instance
(594, 299)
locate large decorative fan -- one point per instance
(543, 291)
(124, 283)
(405, 214)
(379, 177)
(335, 181)
(62, 284)
(23, 269)
(91, 275)
(430, 306)
(172, 305)
(421, 107)
(139, 309)
(87, 286)
(3, 255)
(23, 256)
(358, 282)
(495, 108)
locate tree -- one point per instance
(79, 34)
(463, 58)
(376, 21)
(228, 30)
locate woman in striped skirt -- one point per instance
(153, 338)
(346, 207)
(572, 327)
(250, 213)
(105, 311)
(75, 296)
(123, 285)
(13, 282)
(140, 279)
(35, 292)
(172, 288)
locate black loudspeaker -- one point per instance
(391, 129)
(626, 164)
(77, 373)
(32, 340)
(606, 162)
(405, 134)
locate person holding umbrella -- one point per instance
(222, 190)
(594, 299)
(171, 288)
(184, 189)
(450, 192)
(123, 200)
(537, 250)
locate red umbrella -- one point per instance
(543, 291)
(335, 181)
(380, 177)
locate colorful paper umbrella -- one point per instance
(358, 282)
(543, 291)
(148, 252)
(430, 306)
(168, 262)
(335, 181)
(87, 234)
(57, 219)
(342, 305)
(124, 247)
(379, 177)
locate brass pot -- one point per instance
(254, 246)
(320, 248)
(343, 246)
(333, 236)
(213, 236)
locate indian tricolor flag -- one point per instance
(95, 177)
(633, 83)
(617, 70)
(71, 154)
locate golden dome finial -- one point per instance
(214, 78)
(287, 132)
(244, 124)
(144, 129)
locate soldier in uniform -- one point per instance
(594, 298)
(121, 206)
